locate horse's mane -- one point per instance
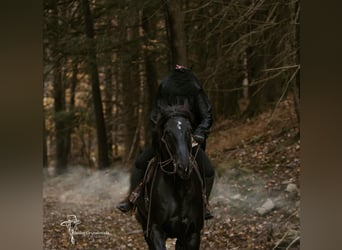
(176, 110)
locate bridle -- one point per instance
(164, 164)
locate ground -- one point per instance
(255, 199)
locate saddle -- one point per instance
(149, 177)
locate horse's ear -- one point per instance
(162, 111)
(162, 106)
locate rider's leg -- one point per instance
(137, 176)
(209, 174)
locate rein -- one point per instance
(163, 164)
(153, 169)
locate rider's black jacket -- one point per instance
(181, 85)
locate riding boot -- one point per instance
(209, 181)
(136, 178)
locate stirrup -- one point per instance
(208, 215)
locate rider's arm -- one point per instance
(205, 111)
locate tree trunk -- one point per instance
(177, 38)
(71, 113)
(45, 157)
(117, 92)
(73, 84)
(244, 100)
(109, 107)
(129, 87)
(59, 99)
(131, 91)
(60, 119)
(296, 84)
(102, 147)
(151, 87)
(256, 95)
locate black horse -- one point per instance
(172, 204)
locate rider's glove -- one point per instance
(199, 136)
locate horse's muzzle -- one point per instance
(184, 171)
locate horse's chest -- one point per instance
(178, 200)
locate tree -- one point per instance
(176, 32)
(60, 117)
(295, 44)
(149, 28)
(245, 53)
(45, 151)
(102, 147)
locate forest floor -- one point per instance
(255, 199)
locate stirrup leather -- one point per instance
(136, 193)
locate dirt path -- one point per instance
(255, 199)
(237, 224)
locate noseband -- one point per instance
(164, 164)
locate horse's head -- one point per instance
(175, 137)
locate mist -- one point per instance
(85, 187)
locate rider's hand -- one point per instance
(199, 137)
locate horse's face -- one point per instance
(177, 139)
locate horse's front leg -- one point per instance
(156, 238)
(193, 241)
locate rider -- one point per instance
(179, 86)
